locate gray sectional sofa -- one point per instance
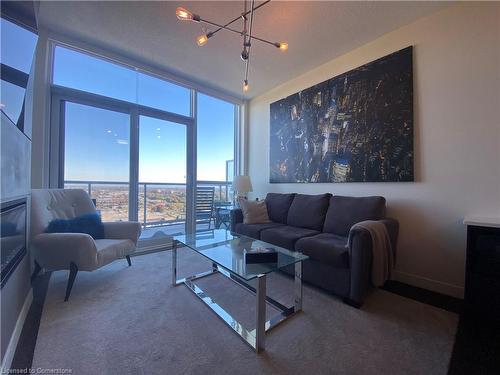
(320, 227)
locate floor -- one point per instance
(475, 350)
(172, 330)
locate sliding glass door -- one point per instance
(97, 157)
(162, 177)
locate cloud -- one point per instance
(122, 142)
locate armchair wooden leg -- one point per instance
(36, 271)
(73, 270)
(128, 260)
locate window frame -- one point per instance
(60, 94)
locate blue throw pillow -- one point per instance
(7, 229)
(90, 224)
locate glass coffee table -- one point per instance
(226, 252)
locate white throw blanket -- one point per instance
(383, 256)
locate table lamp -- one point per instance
(241, 187)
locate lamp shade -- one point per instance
(242, 184)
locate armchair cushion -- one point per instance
(50, 204)
(55, 251)
(90, 224)
(120, 230)
(110, 250)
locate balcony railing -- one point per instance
(159, 203)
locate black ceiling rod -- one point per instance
(237, 18)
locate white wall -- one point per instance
(457, 139)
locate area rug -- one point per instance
(130, 320)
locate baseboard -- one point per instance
(14, 339)
(425, 283)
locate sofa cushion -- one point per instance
(278, 206)
(253, 230)
(326, 248)
(344, 212)
(285, 236)
(308, 211)
(254, 212)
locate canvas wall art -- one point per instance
(356, 127)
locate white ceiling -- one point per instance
(150, 33)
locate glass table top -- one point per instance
(228, 251)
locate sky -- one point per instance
(97, 141)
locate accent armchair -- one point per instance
(75, 251)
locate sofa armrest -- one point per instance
(360, 261)
(55, 251)
(360, 256)
(236, 215)
(122, 230)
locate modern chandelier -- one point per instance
(247, 32)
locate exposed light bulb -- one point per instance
(183, 14)
(246, 87)
(202, 40)
(283, 46)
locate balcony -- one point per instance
(161, 206)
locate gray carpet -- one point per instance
(122, 320)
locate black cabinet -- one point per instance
(477, 342)
(482, 281)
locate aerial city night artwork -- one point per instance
(356, 127)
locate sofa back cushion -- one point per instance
(278, 206)
(308, 211)
(344, 212)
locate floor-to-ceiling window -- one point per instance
(216, 153)
(128, 138)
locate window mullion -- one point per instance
(134, 165)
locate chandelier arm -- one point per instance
(247, 62)
(245, 25)
(235, 31)
(249, 45)
(251, 25)
(237, 18)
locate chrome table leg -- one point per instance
(298, 286)
(260, 336)
(174, 263)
